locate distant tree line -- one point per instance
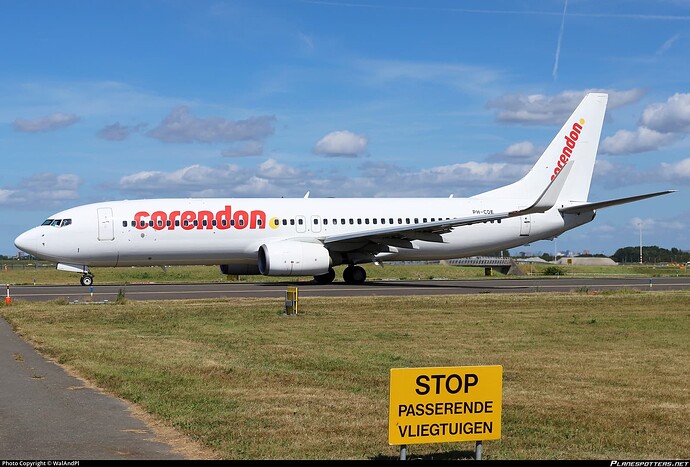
(650, 254)
(630, 254)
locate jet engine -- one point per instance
(293, 258)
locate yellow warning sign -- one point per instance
(445, 404)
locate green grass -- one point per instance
(22, 273)
(586, 375)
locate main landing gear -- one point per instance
(354, 275)
(325, 278)
(86, 279)
(351, 275)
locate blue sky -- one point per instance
(269, 98)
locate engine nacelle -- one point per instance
(240, 269)
(293, 258)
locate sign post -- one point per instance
(445, 404)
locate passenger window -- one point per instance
(241, 222)
(276, 222)
(142, 223)
(196, 223)
(374, 220)
(359, 221)
(160, 223)
(292, 221)
(424, 220)
(124, 223)
(366, 221)
(316, 221)
(342, 221)
(399, 220)
(177, 223)
(168, 223)
(390, 220)
(300, 221)
(150, 223)
(352, 221)
(284, 221)
(325, 222)
(204, 223)
(407, 220)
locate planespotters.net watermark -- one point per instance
(649, 463)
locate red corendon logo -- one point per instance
(570, 142)
(189, 220)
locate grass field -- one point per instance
(586, 375)
(22, 273)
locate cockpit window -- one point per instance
(57, 222)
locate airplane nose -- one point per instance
(27, 242)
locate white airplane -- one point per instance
(306, 236)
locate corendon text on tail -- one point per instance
(188, 220)
(570, 142)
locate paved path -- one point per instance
(47, 414)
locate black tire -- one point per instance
(359, 275)
(325, 278)
(354, 275)
(86, 280)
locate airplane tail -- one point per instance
(578, 140)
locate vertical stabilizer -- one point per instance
(578, 140)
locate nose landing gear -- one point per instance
(86, 279)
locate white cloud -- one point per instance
(671, 116)
(542, 109)
(48, 123)
(117, 132)
(180, 126)
(677, 171)
(42, 189)
(272, 169)
(523, 151)
(342, 144)
(641, 140)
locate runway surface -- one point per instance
(80, 293)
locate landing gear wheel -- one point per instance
(354, 275)
(325, 278)
(86, 280)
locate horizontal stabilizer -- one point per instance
(586, 207)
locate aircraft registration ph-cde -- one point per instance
(309, 236)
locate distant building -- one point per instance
(586, 261)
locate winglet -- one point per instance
(548, 198)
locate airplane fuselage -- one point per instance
(231, 231)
